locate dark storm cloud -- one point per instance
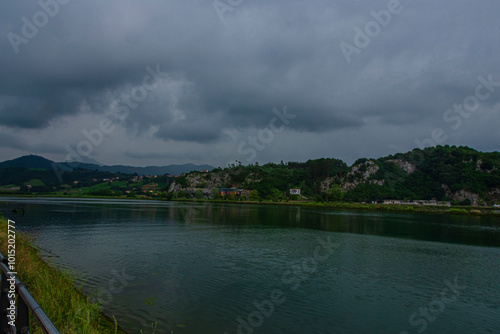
(199, 130)
(16, 141)
(90, 56)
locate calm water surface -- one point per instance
(223, 268)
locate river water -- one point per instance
(228, 268)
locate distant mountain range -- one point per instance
(38, 162)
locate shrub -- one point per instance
(459, 211)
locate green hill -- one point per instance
(28, 161)
(444, 173)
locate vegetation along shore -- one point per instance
(67, 307)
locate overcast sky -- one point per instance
(163, 82)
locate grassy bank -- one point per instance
(428, 209)
(69, 310)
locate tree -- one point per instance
(334, 194)
(198, 194)
(275, 195)
(254, 195)
(183, 194)
(215, 193)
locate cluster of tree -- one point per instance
(458, 168)
(273, 181)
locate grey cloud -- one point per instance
(267, 55)
(27, 145)
(197, 130)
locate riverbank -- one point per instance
(369, 206)
(425, 209)
(68, 308)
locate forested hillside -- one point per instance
(458, 174)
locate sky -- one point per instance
(201, 81)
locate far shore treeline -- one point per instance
(459, 175)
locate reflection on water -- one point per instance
(203, 268)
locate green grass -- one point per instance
(95, 187)
(101, 186)
(459, 211)
(68, 308)
(35, 183)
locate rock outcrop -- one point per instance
(404, 165)
(461, 195)
(366, 169)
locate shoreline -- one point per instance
(55, 290)
(402, 208)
